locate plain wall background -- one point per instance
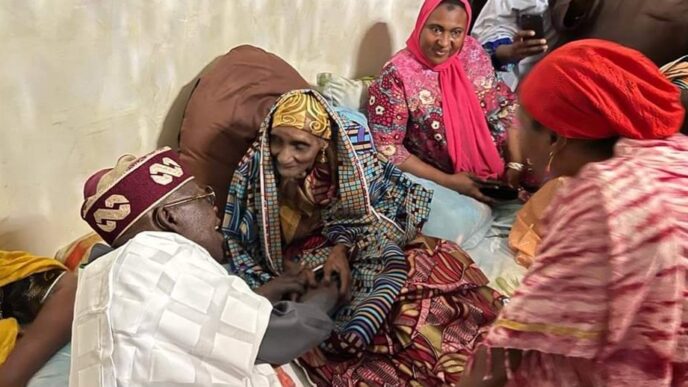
(85, 81)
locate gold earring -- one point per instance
(323, 156)
(548, 169)
(552, 154)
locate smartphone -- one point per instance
(532, 22)
(319, 272)
(497, 190)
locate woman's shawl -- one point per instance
(377, 211)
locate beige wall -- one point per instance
(84, 81)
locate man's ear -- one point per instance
(167, 219)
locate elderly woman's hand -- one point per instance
(338, 262)
(291, 284)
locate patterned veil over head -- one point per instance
(304, 112)
(376, 211)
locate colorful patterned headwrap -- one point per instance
(116, 198)
(303, 111)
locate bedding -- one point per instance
(344, 92)
(493, 255)
(55, 373)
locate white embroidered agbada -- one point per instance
(160, 311)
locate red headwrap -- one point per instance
(595, 89)
(469, 142)
(116, 198)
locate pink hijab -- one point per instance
(470, 144)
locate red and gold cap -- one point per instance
(117, 197)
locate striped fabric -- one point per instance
(608, 287)
(677, 72)
(77, 253)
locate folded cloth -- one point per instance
(677, 72)
(526, 233)
(77, 253)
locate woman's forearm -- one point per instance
(419, 168)
(513, 144)
(49, 331)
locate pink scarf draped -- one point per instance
(469, 141)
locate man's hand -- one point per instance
(325, 297)
(338, 262)
(290, 284)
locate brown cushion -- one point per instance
(226, 109)
(657, 28)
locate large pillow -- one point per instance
(226, 109)
(345, 92)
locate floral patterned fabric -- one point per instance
(442, 311)
(405, 107)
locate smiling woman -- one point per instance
(439, 113)
(444, 31)
(293, 149)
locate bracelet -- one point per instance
(518, 167)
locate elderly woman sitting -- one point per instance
(311, 192)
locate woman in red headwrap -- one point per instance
(605, 302)
(439, 112)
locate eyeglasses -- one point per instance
(209, 195)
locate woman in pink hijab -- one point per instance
(440, 113)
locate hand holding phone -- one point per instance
(497, 190)
(532, 22)
(528, 41)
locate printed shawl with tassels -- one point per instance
(377, 211)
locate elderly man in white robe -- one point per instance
(161, 310)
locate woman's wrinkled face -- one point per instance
(536, 144)
(443, 33)
(294, 151)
